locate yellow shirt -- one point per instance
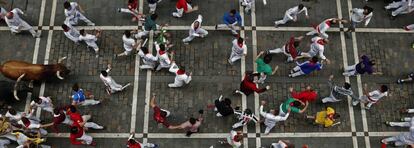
(322, 118)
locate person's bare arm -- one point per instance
(274, 70)
(306, 107)
(260, 54)
(195, 8)
(299, 38)
(152, 103)
(81, 9)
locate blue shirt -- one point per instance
(227, 19)
(364, 66)
(307, 67)
(78, 96)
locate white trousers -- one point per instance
(88, 139)
(202, 32)
(4, 143)
(297, 72)
(350, 70)
(234, 57)
(125, 10)
(363, 99)
(248, 6)
(23, 26)
(180, 12)
(410, 27)
(78, 16)
(89, 102)
(322, 34)
(281, 50)
(401, 7)
(284, 20)
(330, 98)
(152, 8)
(232, 27)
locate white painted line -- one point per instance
(135, 93)
(148, 88)
(254, 54)
(96, 135)
(316, 134)
(224, 135)
(47, 52)
(242, 70)
(36, 48)
(345, 63)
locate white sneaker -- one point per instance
(354, 103)
(91, 24)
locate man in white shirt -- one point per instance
(321, 29)
(110, 83)
(45, 103)
(32, 125)
(17, 24)
(247, 4)
(270, 118)
(149, 61)
(73, 14)
(292, 14)
(234, 139)
(129, 44)
(71, 32)
(90, 40)
(372, 97)
(163, 57)
(181, 76)
(238, 50)
(401, 7)
(196, 30)
(316, 49)
(359, 15)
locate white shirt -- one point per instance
(358, 16)
(237, 49)
(88, 38)
(46, 102)
(108, 79)
(3, 13)
(376, 95)
(322, 27)
(129, 43)
(16, 21)
(71, 13)
(270, 118)
(293, 12)
(316, 48)
(230, 140)
(193, 31)
(72, 34)
(147, 58)
(31, 126)
(180, 79)
(163, 59)
(16, 117)
(279, 144)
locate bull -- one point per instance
(21, 70)
(10, 91)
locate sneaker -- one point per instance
(231, 63)
(91, 24)
(387, 123)
(221, 142)
(155, 146)
(37, 35)
(97, 56)
(354, 103)
(367, 108)
(403, 110)
(399, 81)
(402, 120)
(118, 9)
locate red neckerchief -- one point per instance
(161, 52)
(240, 44)
(234, 138)
(27, 124)
(328, 23)
(180, 72)
(320, 41)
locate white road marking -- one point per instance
(345, 63)
(148, 87)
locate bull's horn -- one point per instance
(15, 87)
(58, 75)
(61, 59)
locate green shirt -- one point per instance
(263, 67)
(150, 24)
(286, 105)
(161, 38)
